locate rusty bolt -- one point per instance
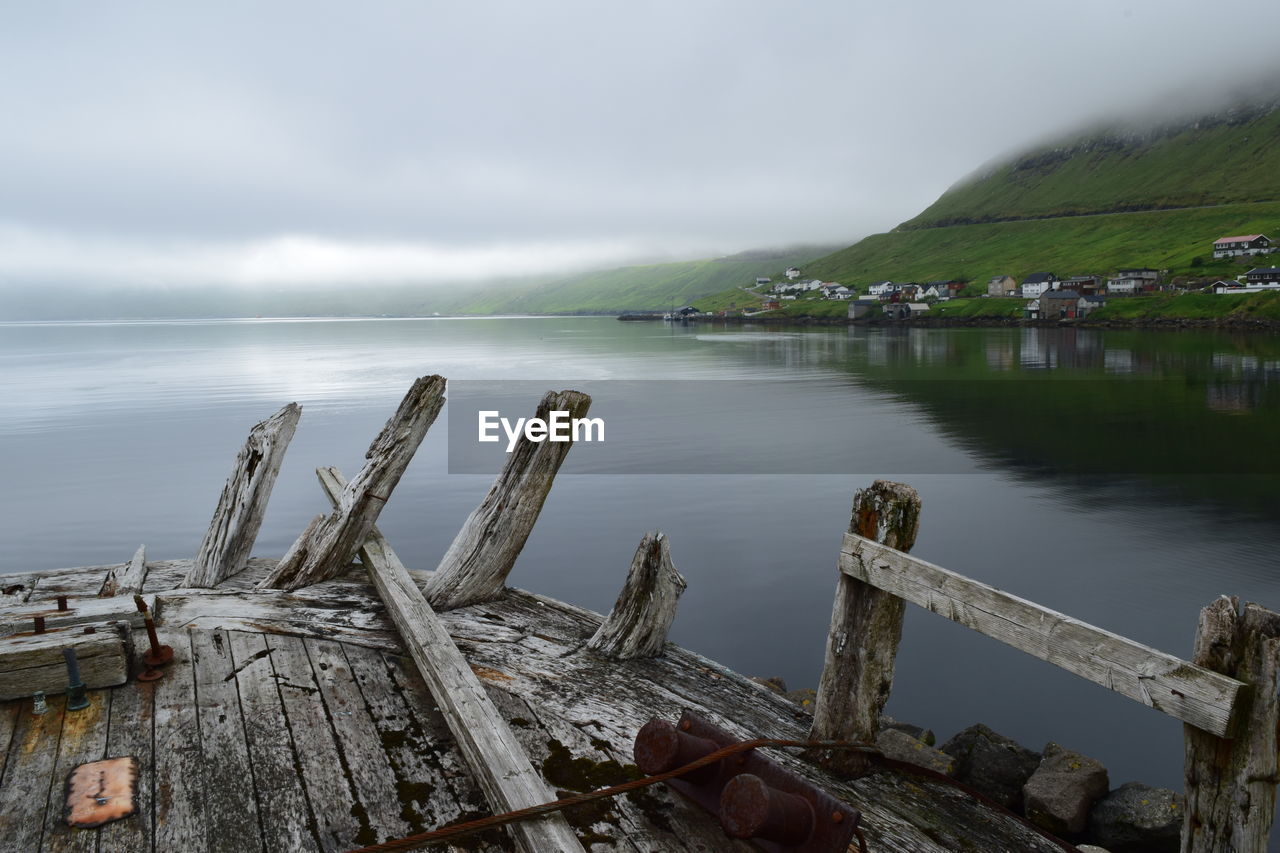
(751, 808)
(837, 817)
(89, 629)
(661, 747)
(686, 725)
(38, 624)
(62, 603)
(157, 655)
(140, 603)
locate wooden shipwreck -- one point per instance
(335, 699)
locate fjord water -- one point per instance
(1124, 478)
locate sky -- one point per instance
(267, 144)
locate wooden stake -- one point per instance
(1231, 782)
(866, 626)
(637, 625)
(497, 760)
(327, 547)
(243, 503)
(131, 581)
(475, 567)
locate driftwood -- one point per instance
(1168, 684)
(243, 503)
(866, 626)
(35, 662)
(328, 545)
(130, 581)
(476, 566)
(1231, 783)
(498, 762)
(637, 625)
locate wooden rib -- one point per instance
(1173, 686)
(637, 625)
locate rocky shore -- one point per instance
(1063, 791)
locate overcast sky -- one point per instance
(276, 142)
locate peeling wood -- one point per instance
(476, 566)
(327, 547)
(243, 501)
(637, 625)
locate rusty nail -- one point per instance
(62, 602)
(89, 629)
(157, 655)
(836, 817)
(139, 603)
(38, 624)
(686, 725)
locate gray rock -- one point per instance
(1059, 794)
(1091, 848)
(992, 764)
(776, 684)
(1137, 818)
(899, 745)
(920, 734)
(804, 697)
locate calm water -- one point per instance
(1124, 478)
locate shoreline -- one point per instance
(1145, 324)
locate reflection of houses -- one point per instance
(1037, 283)
(1132, 282)
(1002, 285)
(1244, 244)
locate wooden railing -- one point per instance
(1226, 696)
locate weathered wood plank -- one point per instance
(243, 502)
(73, 583)
(129, 580)
(1231, 784)
(363, 757)
(327, 548)
(130, 732)
(14, 589)
(35, 662)
(230, 807)
(499, 765)
(84, 738)
(282, 802)
(1176, 687)
(8, 722)
(333, 612)
(637, 625)
(476, 566)
(79, 612)
(866, 627)
(28, 776)
(179, 797)
(325, 779)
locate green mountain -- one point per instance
(1116, 197)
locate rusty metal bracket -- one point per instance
(754, 797)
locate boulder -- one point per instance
(1064, 787)
(1137, 818)
(900, 746)
(920, 734)
(992, 764)
(804, 697)
(776, 684)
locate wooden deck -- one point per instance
(294, 721)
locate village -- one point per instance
(1047, 295)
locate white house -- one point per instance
(881, 289)
(1131, 282)
(1242, 244)
(793, 273)
(1037, 283)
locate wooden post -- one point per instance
(328, 545)
(131, 581)
(866, 625)
(1231, 782)
(497, 760)
(475, 567)
(243, 502)
(637, 625)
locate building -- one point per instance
(835, 290)
(1037, 283)
(1243, 244)
(1059, 305)
(1090, 302)
(1082, 284)
(861, 307)
(1133, 282)
(905, 310)
(1002, 285)
(760, 279)
(1263, 275)
(792, 273)
(881, 289)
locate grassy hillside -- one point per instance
(640, 288)
(1167, 240)
(1213, 160)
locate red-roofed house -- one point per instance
(1244, 244)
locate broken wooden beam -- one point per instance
(33, 662)
(79, 612)
(243, 502)
(476, 566)
(328, 545)
(1231, 780)
(497, 760)
(637, 625)
(866, 627)
(130, 580)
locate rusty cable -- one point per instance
(436, 836)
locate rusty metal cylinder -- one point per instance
(661, 747)
(749, 808)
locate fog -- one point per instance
(302, 143)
